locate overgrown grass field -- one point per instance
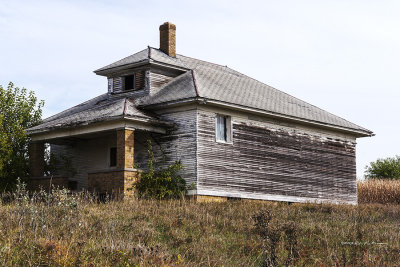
(60, 229)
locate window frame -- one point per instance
(228, 129)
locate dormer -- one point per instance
(147, 70)
(127, 81)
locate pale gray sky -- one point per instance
(342, 56)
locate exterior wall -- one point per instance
(177, 144)
(273, 160)
(147, 80)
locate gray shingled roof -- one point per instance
(202, 80)
(101, 108)
(216, 82)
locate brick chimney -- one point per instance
(167, 39)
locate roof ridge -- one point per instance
(194, 83)
(124, 111)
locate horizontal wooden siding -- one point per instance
(265, 161)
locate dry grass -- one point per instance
(379, 191)
(73, 230)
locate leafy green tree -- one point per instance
(388, 168)
(19, 109)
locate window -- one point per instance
(113, 156)
(223, 129)
(129, 83)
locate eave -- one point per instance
(205, 101)
(96, 126)
(151, 62)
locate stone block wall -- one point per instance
(125, 148)
(116, 183)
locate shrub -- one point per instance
(161, 183)
(388, 168)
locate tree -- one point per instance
(19, 110)
(388, 168)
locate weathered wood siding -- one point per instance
(270, 161)
(159, 78)
(139, 80)
(117, 84)
(178, 144)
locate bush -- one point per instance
(388, 168)
(161, 183)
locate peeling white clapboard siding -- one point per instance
(272, 159)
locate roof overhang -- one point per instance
(100, 126)
(150, 62)
(107, 71)
(204, 101)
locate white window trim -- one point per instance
(229, 134)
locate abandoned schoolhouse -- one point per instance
(235, 136)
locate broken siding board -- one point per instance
(264, 159)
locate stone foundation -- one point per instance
(206, 199)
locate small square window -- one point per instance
(129, 83)
(223, 129)
(113, 156)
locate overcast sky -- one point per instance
(342, 56)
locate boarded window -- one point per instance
(223, 129)
(113, 157)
